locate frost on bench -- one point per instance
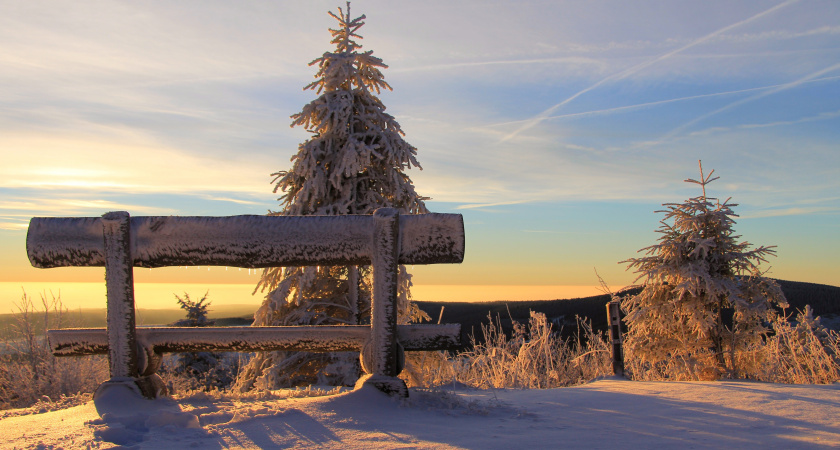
(119, 243)
(244, 241)
(324, 338)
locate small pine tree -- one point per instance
(703, 298)
(196, 311)
(354, 163)
(200, 370)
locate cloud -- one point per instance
(106, 42)
(87, 164)
(779, 35)
(232, 200)
(775, 90)
(548, 231)
(488, 205)
(565, 60)
(638, 106)
(778, 123)
(74, 206)
(13, 226)
(792, 211)
(821, 116)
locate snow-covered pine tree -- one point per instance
(354, 163)
(196, 311)
(703, 299)
(199, 370)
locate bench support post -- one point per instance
(382, 357)
(119, 283)
(126, 382)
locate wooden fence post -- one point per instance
(353, 294)
(613, 314)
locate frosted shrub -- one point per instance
(428, 369)
(190, 371)
(534, 358)
(800, 352)
(209, 371)
(30, 374)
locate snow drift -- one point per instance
(603, 414)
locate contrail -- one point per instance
(734, 104)
(598, 112)
(627, 72)
(503, 62)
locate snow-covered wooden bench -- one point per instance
(119, 243)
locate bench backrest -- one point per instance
(244, 241)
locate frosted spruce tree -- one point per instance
(353, 163)
(704, 300)
(199, 370)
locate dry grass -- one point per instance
(794, 351)
(803, 352)
(535, 357)
(29, 373)
(798, 351)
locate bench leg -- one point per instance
(119, 282)
(381, 357)
(126, 382)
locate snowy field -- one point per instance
(607, 413)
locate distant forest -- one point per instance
(824, 299)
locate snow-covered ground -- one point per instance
(607, 413)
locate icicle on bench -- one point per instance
(119, 243)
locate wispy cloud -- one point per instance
(232, 200)
(778, 123)
(639, 67)
(13, 226)
(627, 108)
(71, 206)
(764, 36)
(489, 205)
(792, 211)
(546, 231)
(140, 165)
(818, 117)
(793, 84)
(777, 35)
(566, 60)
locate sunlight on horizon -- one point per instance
(80, 295)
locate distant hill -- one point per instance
(824, 299)
(224, 315)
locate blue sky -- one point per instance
(557, 128)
